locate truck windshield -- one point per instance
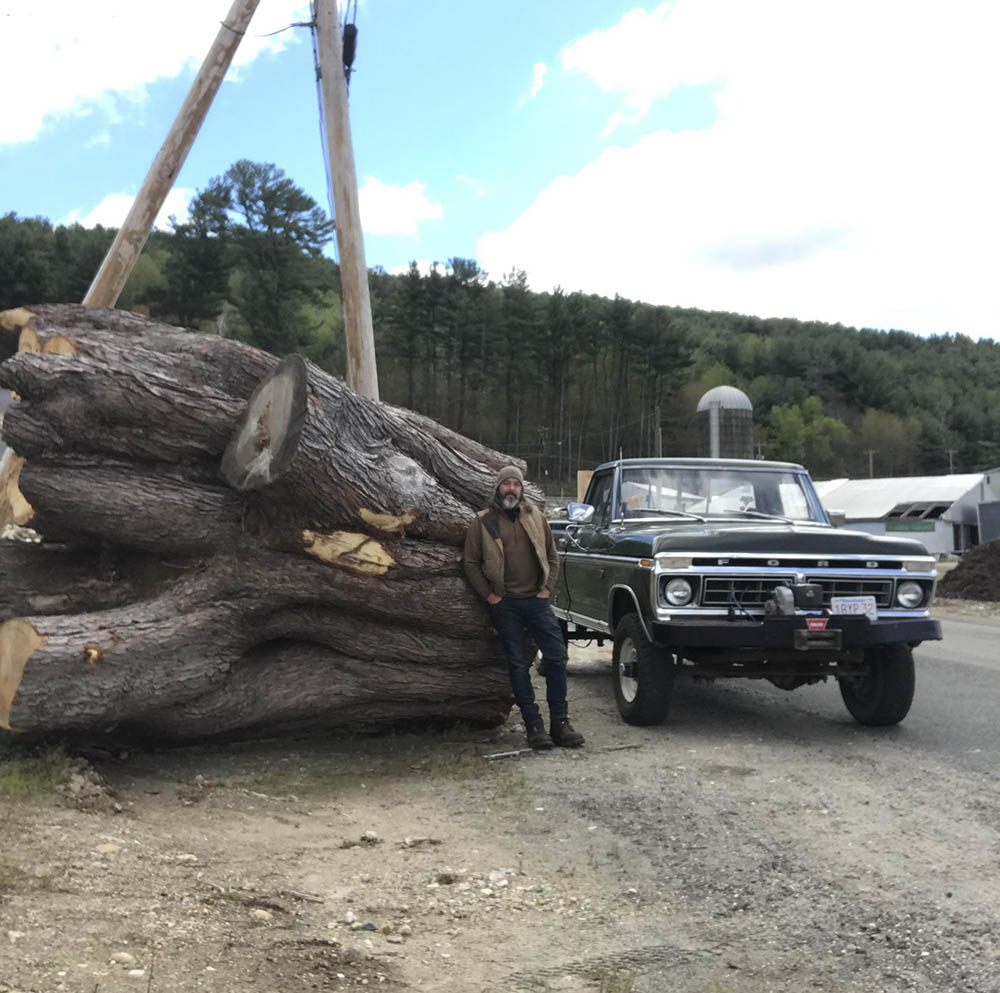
(717, 491)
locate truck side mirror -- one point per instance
(579, 513)
(838, 518)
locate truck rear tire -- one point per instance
(883, 693)
(642, 674)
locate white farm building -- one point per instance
(946, 514)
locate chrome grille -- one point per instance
(881, 589)
(752, 591)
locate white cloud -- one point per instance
(74, 58)
(113, 209)
(424, 267)
(640, 59)
(389, 209)
(538, 79)
(850, 175)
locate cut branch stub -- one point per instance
(14, 509)
(11, 324)
(129, 402)
(18, 641)
(339, 460)
(269, 431)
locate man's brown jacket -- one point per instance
(483, 559)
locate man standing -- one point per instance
(510, 560)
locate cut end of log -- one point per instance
(389, 523)
(268, 433)
(15, 318)
(28, 341)
(14, 509)
(18, 642)
(59, 345)
(357, 552)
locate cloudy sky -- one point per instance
(821, 160)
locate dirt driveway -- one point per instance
(741, 848)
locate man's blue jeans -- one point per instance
(512, 616)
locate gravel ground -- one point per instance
(747, 846)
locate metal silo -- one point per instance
(725, 424)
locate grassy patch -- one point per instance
(510, 783)
(225, 896)
(618, 981)
(369, 761)
(462, 763)
(10, 873)
(34, 772)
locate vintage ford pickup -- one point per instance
(711, 568)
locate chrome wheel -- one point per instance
(628, 660)
(643, 674)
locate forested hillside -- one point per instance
(561, 379)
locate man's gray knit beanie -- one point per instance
(509, 472)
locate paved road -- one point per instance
(795, 849)
(955, 711)
(956, 708)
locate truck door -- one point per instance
(584, 545)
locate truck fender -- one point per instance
(611, 599)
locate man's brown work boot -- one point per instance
(564, 734)
(537, 736)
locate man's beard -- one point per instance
(509, 501)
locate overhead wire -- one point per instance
(271, 34)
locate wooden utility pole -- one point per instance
(362, 373)
(111, 277)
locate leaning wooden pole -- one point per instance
(114, 272)
(362, 372)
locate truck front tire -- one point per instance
(882, 693)
(642, 674)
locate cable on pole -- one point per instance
(350, 44)
(349, 41)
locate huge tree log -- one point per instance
(231, 544)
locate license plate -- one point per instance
(856, 605)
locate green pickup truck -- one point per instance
(712, 568)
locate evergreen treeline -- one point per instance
(564, 380)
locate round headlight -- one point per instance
(678, 592)
(909, 595)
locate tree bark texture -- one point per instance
(232, 544)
